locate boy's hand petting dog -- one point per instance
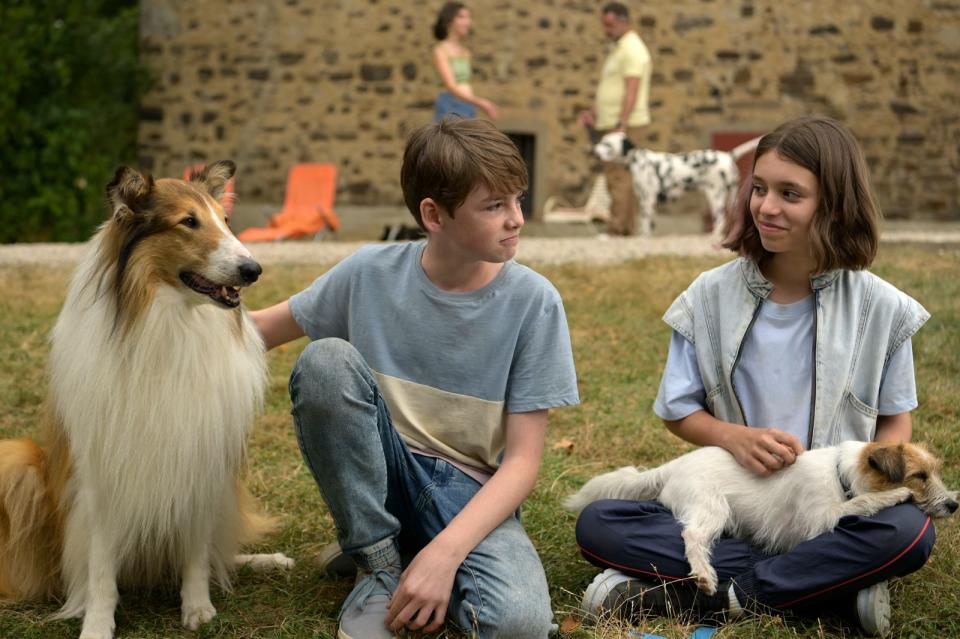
(423, 592)
(763, 451)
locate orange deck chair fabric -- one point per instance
(226, 199)
(307, 206)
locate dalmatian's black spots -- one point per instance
(662, 177)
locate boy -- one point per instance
(421, 405)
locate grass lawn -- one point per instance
(620, 346)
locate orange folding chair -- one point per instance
(307, 206)
(226, 199)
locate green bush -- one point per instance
(68, 112)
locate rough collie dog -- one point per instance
(710, 494)
(155, 377)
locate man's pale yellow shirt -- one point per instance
(628, 58)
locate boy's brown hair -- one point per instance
(844, 233)
(447, 160)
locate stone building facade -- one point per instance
(269, 84)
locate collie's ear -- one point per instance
(627, 146)
(890, 461)
(214, 177)
(127, 192)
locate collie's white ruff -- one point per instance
(155, 415)
(710, 494)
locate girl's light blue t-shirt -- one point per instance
(775, 375)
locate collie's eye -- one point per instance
(190, 222)
(922, 476)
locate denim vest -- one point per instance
(860, 322)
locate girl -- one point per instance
(452, 60)
(800, 344)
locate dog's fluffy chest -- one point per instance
(156, 417)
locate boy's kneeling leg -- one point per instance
(346, 439)
(501, 589)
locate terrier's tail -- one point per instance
(624, 483)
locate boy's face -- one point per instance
(485, 227)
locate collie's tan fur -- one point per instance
(156, 375)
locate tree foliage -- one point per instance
(68, 112)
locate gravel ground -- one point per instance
(541, 250)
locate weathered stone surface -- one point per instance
(271, 83)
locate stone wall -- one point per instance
(273, 83)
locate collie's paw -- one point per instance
(97, 626)
(195, 615)
(276, 561)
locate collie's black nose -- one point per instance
(952, 506)
(249, 270)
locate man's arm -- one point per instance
(276, 324)
(631, 88)
(425, 586)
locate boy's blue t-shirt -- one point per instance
(450, 366)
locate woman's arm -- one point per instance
(276, 324)
(423, 593)
(463, 92)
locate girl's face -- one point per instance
(783, 203)
(460, 24)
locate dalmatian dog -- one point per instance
(661, 177)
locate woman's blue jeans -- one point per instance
(377, 491)
(448, 104)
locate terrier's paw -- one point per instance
(195, 615)
(902, 494)
(706, 581)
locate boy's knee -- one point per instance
(322, 367)
(524, 615)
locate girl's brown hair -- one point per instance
(844, 233)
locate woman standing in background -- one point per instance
(452, 60)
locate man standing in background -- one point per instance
(622, 104)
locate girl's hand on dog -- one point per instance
(763, 451)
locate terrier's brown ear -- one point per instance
(214, 177)
(127, 192)
(890, 461)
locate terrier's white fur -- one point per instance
(711, 494)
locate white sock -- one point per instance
(735, 609)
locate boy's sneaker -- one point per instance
(873, 610)
(614, 593)
(365, 608)
(335, 563)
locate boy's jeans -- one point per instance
(377, 490)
